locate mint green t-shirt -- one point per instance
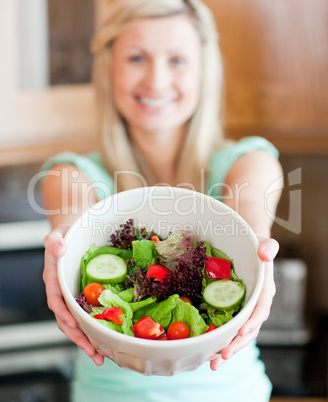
(241, 379)
(221, 162)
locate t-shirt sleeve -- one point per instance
(90, 165)
(226, 156)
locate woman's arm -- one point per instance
(66, 193)
(246, 186)
(245, 192)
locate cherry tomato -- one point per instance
(177, 330)
(185, 299)
(155, 239)
(92, 293)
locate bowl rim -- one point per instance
(224, 329)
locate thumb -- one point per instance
(54, 242)
(268, 249)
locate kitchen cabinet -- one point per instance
(275, 58)
(38, 124)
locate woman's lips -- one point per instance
(154, 103)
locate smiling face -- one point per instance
(157, 73)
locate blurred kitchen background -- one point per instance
(276, 72)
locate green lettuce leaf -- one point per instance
(142, 304)
(219, 318)
(144, 253)
(98, 310)
(108, 286)
(112, 325)
(109, 324)
(126, 295)
(85, 258)
(208, 249)
(159, 312)
(188, 314)
(110, 299)
(219, 254)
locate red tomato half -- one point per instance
(92, 293)
(158, 271)
(177, 330)
(218, 268)
(146, 328)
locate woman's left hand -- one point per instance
(267, 251)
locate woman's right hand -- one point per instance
(55, 247)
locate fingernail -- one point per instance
(247, 331)
(270, 254)
(229, 355)
(99, 360)
(218, 362)
(56, 248)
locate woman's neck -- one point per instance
(160, 152)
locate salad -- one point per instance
(148, 287)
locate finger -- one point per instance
(238, 343)
(53, 291)
(216, 363)
(268, 249)
(262, 309)
(79, 338)
(55, 244)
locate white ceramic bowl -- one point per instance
(163, 209)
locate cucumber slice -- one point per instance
(106, 268)
(224, 294)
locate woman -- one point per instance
(158, 77)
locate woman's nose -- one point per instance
(158, 76)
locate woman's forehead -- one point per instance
(166, 33)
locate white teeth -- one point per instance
(155, 102)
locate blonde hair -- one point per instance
(203, 130)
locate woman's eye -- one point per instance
(177, 61)
(137, 59)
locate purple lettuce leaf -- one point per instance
(185, 278)
(127, 233)
(81, 300)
